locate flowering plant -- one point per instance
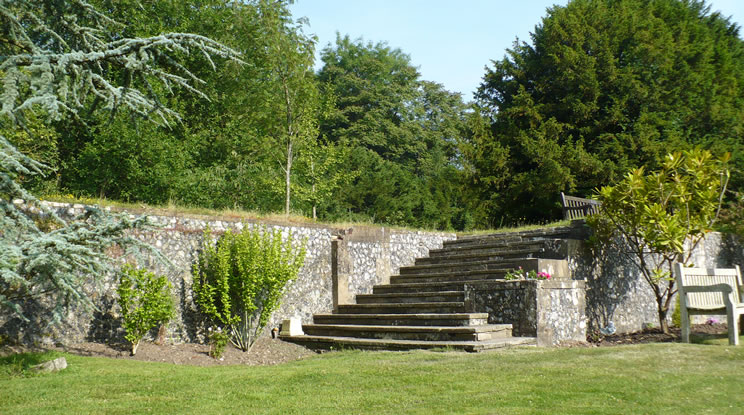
(520, 274)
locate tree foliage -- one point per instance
(59, 61)
(603, 87)
(402, 131)
(658, 218)
(239, 281)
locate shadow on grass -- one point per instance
(19, 364)
(718, 339)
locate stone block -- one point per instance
(292, 327)
(55, 365)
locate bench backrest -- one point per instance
(688, 277)
(578, 207)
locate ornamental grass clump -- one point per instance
(146, 302)
(239, 280)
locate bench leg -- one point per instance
(732, 320)
(684, 320)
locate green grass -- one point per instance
(19, 364)
(667, 378)
(233, 214)
(172, 209)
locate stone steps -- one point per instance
(455, 250)
(427, 333)
(485, 265)
(515, 237)
(489, 274)
(424, 306)
(436, 307)
(411, 297)
(332, 342)
(427, 319)
(423, 287)
(467, 258)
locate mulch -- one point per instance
(268, 351)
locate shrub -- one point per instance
(239, 281)
(659, 218)
(145, 301)
(217, 341)
(732, 216)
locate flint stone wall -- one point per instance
(617, 292)
(374, 252)
(552, 311)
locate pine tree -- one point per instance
(59, 59)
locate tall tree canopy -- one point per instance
(605, 86)
(402, 131)
(234, 144)
(62, 61)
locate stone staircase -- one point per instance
(424, 307)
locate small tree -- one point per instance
(239, 281)
(145, 301)
(659, 218)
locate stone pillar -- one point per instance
(561, 312)
(340, 270)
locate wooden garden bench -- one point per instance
(578, 207)
(710, 291)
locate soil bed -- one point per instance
(265, 352)
(269, 351)
(654, 335)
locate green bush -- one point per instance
(239, 281)
(658, 218)
(145, 301)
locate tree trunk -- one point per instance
(134, 347)
(663, 323)
(287, 177)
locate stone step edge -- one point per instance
(440, 283)
(420, 316)
(410, 295)
(406, 305)
(499, 254)
(467, 345)
(534, 233)
(422, 267)
(493, 245)
(484, 328)
(458, 273)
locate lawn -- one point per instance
(650, 378)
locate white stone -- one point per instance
(292, 327)
(52, 365)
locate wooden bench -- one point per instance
(711, 291)
(577, 207)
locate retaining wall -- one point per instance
(616, 291)
(369, 256)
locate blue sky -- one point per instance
(450, 41)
